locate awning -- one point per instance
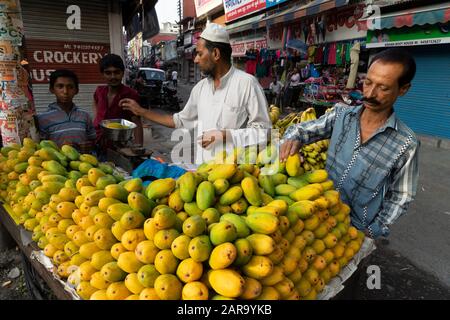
(432, 14)
(292, 13)
(300, 11)
(250, 23)
(297, 45)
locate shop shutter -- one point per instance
(426, 107)
(46, 20)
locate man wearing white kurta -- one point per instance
(229, 105)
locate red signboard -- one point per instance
(195, 37)
(239, 47)
(45, 56)
(237, 9)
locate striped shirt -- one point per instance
(377, 178)
(65, 128)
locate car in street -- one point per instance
(150, 79)
(154, 89)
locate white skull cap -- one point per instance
(216, 33)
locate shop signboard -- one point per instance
(242, 45)
(187, 41)
(235, 9)
(195, 37)
(204, 6)
(271, 3)
(170, 50)
(408, 36)
(344, 24)
(45, 56)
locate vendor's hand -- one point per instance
(289, 148)
(210, 137)
(132, 105)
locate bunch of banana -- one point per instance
(290, 119)
(314, 154)
(274, 113)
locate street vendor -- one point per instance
(64, 122)
(373, 156)
(106, 98)
(227, 106)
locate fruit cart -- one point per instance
(274, 231)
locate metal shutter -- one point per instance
(46, 20)
(426, 107)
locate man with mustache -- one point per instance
(228, 108)
(372, 157)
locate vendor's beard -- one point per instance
(209, 72)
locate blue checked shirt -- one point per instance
(378, 178)
(73, 128)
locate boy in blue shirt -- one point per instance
(64, 122)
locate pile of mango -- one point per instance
(227, 231)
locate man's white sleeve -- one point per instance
(258, 124)
(187, 118)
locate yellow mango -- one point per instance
(117, 291)
(160, 188)
(222, 171)
(195, 290)
(131, 238)
(189, 270)
(227, 282)
(222, 256)
(132, 283)
(252, 289)
(309, 192)
(251, 191)
(293, 163)
(168, 287)
(258, 267)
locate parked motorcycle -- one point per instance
(169, 97)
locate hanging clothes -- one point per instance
(326, 50)
(347, 52)
(354, 54)
(319, 55)
(250, 66)
(332, 54)
(311, 53)
(261, 70)
(339, 49)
